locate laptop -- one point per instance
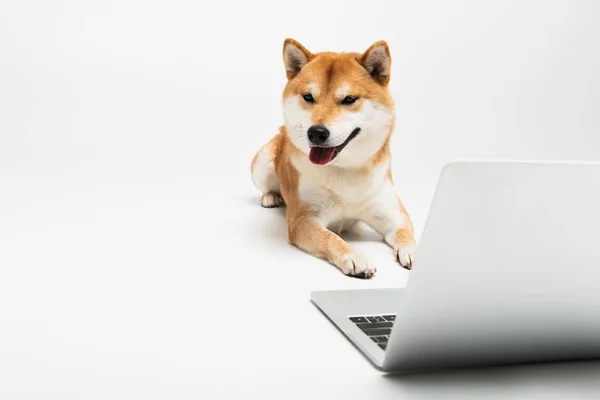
(507, 272)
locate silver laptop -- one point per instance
(507, 271)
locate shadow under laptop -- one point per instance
(568, 379)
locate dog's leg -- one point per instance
(389, 217)
(264, 175)
(310, 235)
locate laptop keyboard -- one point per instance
(377, 327)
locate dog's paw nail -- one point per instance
(357, 266)
(271, 200)
(406, 255)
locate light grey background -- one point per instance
(135, 260)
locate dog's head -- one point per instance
(337, 107)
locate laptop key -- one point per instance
(376, 319)
(391, 318)
(382, 345)
(377, 332)
(358, 320)
(375, 325)
(379, 339)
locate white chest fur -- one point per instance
(340, 196)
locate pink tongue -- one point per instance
(321, 155)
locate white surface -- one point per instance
(130, 232)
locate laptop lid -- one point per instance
(507, 269)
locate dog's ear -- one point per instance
(295, 56)
(378, 62)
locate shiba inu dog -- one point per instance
(330, 162)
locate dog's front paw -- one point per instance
(405, 254)
(271, 200)
(353, 264)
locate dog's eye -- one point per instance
(308, 98)
(349, 100)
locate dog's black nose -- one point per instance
(318, 134)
